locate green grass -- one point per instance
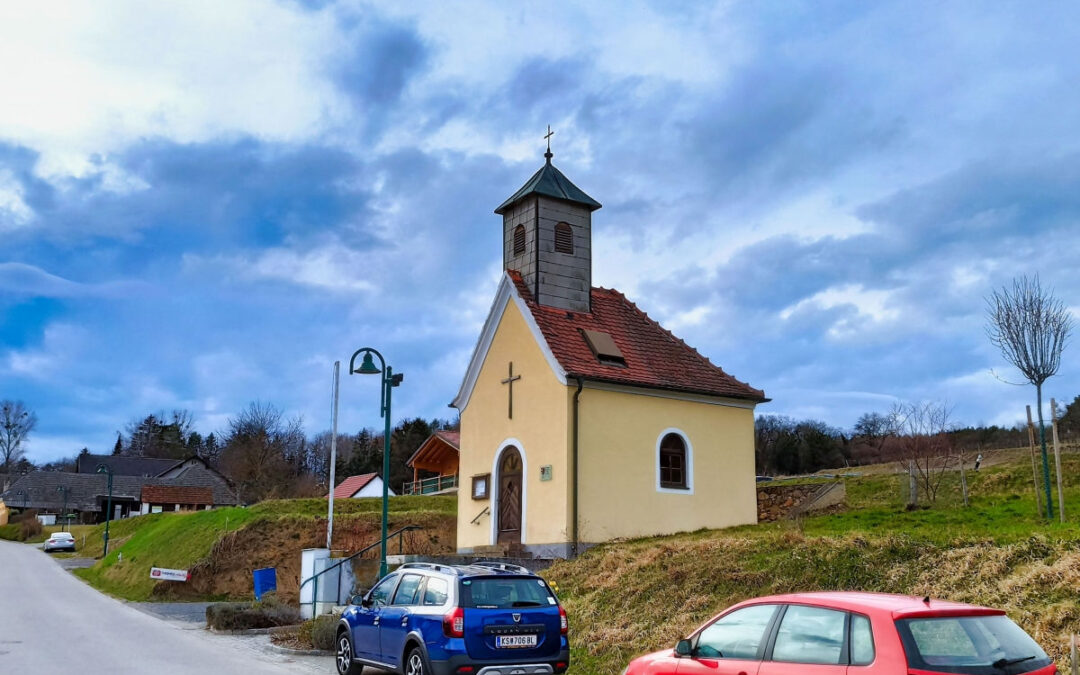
(628, 598)
(180, 540)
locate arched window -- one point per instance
(674, 463)
(564, 239)
(519, 240)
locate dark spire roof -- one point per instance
(550, 182)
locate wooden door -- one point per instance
(510, 497)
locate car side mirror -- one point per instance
(684, 648)
(356, 599)
(367, 602)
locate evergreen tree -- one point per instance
(118, 449)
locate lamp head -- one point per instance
(368, 366)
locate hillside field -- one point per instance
(221, 547)
(630, 597)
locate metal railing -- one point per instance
(486, 509)
(315, 578)
(429, 486)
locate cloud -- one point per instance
(20, 279)
(207, 209)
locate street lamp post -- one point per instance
(389, 380)
(63, 521)
(101, 468)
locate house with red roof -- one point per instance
(364, 485)
(582, 418)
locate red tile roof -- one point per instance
(353, 484)
(177, 494)
(654, 357)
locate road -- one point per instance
(50, 621)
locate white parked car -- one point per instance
(60, 541)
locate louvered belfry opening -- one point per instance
(519, 240)
(564, 238)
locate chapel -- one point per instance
(583, 419)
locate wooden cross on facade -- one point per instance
(510, 381)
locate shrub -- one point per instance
(323, 632)
(11, 532)
(247, 615)
(30, 528)
(319, 633)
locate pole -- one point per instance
(333, 454)
(963, 479)
(1074, 664)
(1034, 469)
(108, 515)
(1057, 459)
(388, 384)
(1045, 458)
(63, 521)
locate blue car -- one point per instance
(480, 619)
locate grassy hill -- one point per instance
(630, 597)
(222, 546)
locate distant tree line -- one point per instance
(787, 446)
(264, 452)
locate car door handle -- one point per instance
(405, 620)
(376, 621)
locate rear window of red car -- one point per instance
(970, 645)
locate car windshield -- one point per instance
(971, 645)
(505, 593)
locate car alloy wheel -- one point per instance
(344, 654)
(415, 664)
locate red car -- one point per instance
(851, 634)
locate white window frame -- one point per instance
(689, 489)
(494, 488)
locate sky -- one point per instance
(204, 204)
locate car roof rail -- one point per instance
(502, 566)
(438, 567)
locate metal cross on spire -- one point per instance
(547, 137)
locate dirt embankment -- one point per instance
(626, 599)
(277, 542)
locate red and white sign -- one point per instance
(162, 574)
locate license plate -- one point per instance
(515, 641)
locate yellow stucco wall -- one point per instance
(3, 513)
(540, 426)
(618, 464)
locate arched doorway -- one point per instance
(508, 528)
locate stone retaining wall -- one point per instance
(777, 502)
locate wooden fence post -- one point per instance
(1074, 665)
(1057, 460)
(963, 479)
(1034, 469)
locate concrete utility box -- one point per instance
(307, 570)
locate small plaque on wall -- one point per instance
(480, 486)
(545, 472)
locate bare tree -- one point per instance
(1030, 327)
(923, 445)
(16, 423)
(264, 452)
